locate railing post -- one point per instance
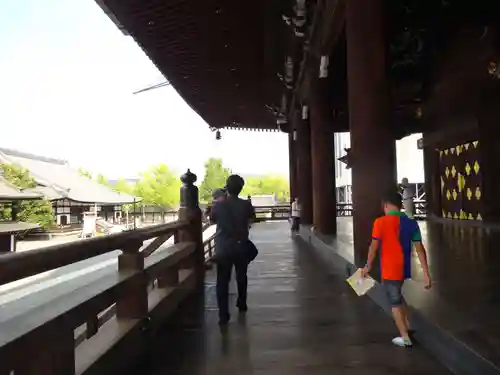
(169, 277)
(189, 210)
(134, 304)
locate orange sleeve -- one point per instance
(377, 230)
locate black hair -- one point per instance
(234, 184)
(394, 198)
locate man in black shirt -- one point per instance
(232, 217)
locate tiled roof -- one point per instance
(9, 192)
(14, 226)
(58, 180)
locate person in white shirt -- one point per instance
(295, 215)
(408, 204)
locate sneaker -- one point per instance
(399, 341)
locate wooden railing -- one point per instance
(344, 209)
(282, 212)
(209, 249)
(100, 325)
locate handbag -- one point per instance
(247, 250)
(251, 251)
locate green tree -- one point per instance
(215, 178)
(85, 173)
(268, 185)
(101, 179)
(159, 186)
(31, 211)
(122, 186)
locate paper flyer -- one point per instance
(361, 285)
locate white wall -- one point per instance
(410, 159)
(342, 175)
(410, 162)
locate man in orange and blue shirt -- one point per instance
(395, 234)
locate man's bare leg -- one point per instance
(399, 318)
(404, 307)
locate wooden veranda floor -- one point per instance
(301, 320)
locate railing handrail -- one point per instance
(75, 328)
(16, 266)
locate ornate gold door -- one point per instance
(451, 183)
(472, 203)
(461, 182)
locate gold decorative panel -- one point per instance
(461, 181)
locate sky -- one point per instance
(67, 75)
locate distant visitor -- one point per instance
(295, 215)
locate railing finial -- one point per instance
(189, 191)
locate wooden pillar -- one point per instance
(292, 159)
(322, 161)
(189, 210)
(489, 148)
(372, 143)
(304, 182)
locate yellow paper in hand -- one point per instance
(361, 285)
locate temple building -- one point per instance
(71, 194)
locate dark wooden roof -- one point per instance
(221, 56)
(227, 58)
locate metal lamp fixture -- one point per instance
(305, 112)
(323, 66)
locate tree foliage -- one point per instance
(122, 186)
(159, 186)
(85, 173)
(267, 185)
(101, 179)
(31, 211)
(215, 178)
